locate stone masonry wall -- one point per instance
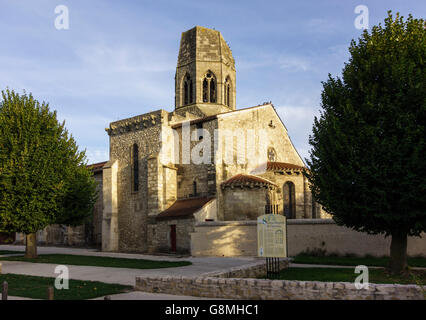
(204, 174)
(160, 235)
(259, 289)
(145, 131)
(244, 204)
(263, 135)
(202, 50)
(239, 238)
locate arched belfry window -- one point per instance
(227, 92)
(289, 200)
(212, 91)
(187, 90)
(135, 167)
(209, 88)
(205, 90)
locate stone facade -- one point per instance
(240, 204)
(202, 51)
(161, 158)
(160, 235)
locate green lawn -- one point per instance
(354, 261)
(3, 252)
(68, 259)
(348, 275)
(36, 288)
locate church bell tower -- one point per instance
(205, 73)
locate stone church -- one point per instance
(204, 161)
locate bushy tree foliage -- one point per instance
(43, 176)
(367, 164)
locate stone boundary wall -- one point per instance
(252, 270)
(259, 289)
(241, 283)
(239, 238)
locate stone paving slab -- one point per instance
(19, 298)
(226, 261)
(124, 276)
(135, 295)
(139, 295)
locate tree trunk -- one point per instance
(31, 246)
(398, 253)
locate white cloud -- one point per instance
(293, 63)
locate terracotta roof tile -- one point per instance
(96, 167)
(245, 180)
(184, 208)
(276, 166)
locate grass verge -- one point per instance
(96, 261)
(3, 252)
(347, 275)
(36, 288)
(354, 261)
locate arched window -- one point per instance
(289, 200)
(227, 92)
(194, 185)
(187, 90)
(205, 90)
(272, 154)
(209, 88)
(135, 167)
(212, 91)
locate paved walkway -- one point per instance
(127, 276)
(302, 265)
(118, 275)
(136, 295)
(139, 295)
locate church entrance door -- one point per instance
(173, 238)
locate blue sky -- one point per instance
(118, 58)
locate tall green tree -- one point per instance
(367, 163)
(43, 176)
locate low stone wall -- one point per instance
(239, 238)
(55, 235)
(242, 283)
(258, 289)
